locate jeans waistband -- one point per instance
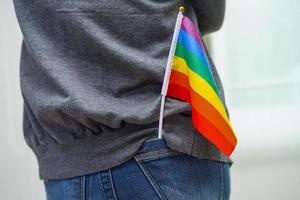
(153, 144)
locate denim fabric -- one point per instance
(155, 172)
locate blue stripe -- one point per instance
(192, 45)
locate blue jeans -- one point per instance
(156, 172)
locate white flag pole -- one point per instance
(168, 68)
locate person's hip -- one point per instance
(155, 172)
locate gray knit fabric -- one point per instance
(91, 75)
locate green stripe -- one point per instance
(195, 65)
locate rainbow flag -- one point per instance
(191, 80)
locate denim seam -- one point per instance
(101, 184)
(222, 181)
(103, 175)
(112, 184)
(83, 187)
(150, 179)
(158, 154)
(156, 138)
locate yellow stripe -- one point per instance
(199, 85)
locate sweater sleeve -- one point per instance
(209, 13)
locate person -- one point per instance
(91, 75)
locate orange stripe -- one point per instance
(204, 126)
(179, 87)
(200, 86)
(208, 130)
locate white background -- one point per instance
(257, 53)
(18, 166)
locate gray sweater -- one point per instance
(91, 75)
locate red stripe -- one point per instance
(208, 130)
(198, 102)
(179, 88)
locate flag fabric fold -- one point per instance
(191, 80)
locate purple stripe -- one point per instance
(190, 28)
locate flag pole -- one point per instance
(168, 68)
